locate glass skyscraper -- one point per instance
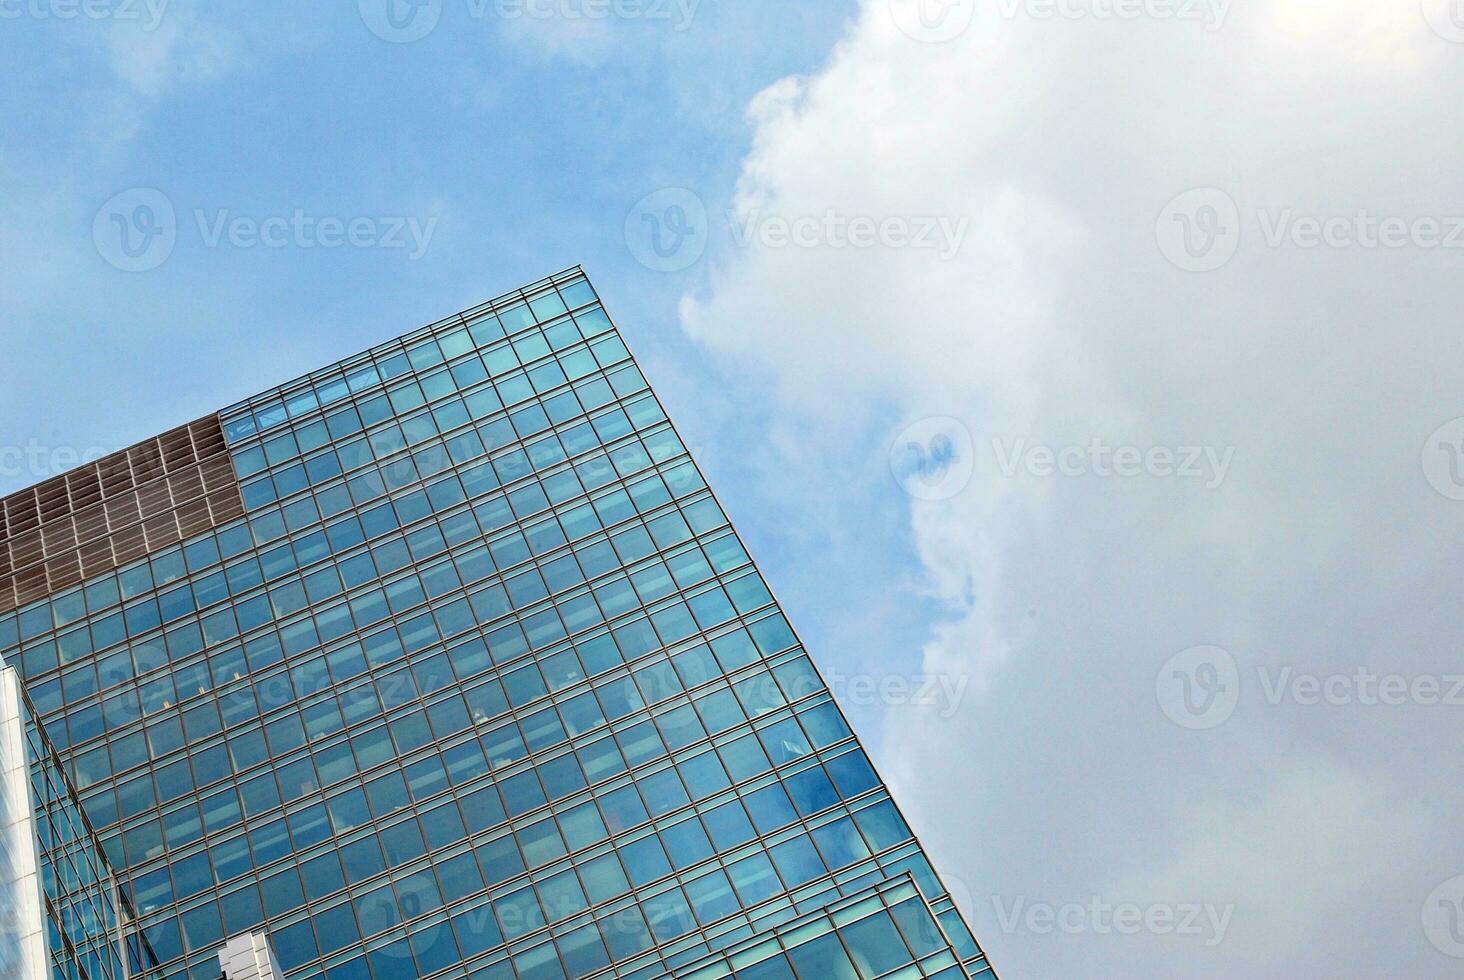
(442, 661)
(59, 905)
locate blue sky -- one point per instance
(522, 146)
(515, 148)
(526, 145)
(1052, 249)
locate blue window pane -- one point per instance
(876, 943)
(469, 600)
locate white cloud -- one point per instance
(1060, 321)
(586, 41)
(166, 46)
(1315, 847)
(183, 48)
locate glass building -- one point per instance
(443, 661)
(60, 912)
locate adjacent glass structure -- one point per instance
(886, 931)
(60, 914)
(444, 661)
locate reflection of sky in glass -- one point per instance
(483, 664)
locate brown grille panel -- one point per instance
(96, 558)
(122, 507)
(123, 510)
(226, 505)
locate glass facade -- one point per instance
(59, 910)
(887, 931)
(482, 684)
